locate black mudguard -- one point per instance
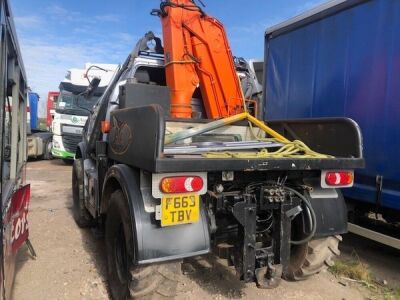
(155, 243)
(81, 150)
(331, 214)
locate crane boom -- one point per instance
(197, 54)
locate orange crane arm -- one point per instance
(197, 54)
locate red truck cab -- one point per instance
(51, 101)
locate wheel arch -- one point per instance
(166, 243)
(124, 178)
(80, 150)
(111, 184)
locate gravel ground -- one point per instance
(71, 261)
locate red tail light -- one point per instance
(181, 184)
(342, 178)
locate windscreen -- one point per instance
(69, 103)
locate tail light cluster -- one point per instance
(337, 179)
(179, 183)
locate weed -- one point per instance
(393, 295)
(351, 269)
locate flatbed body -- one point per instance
(144, 148)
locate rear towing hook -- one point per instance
(269, 277)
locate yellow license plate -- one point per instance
(180, 209)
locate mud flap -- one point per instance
(331, 214)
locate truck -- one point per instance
(14, 192)
(342, 60)
(50, 108)
(171, 165)
(39, 140)
(71, 111)
(250, 74)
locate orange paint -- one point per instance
(197, 54)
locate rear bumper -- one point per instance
(59, 150)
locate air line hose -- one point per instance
(312, 213)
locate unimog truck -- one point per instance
(172, 166)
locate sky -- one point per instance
(55, 36)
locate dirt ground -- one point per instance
(71, 262)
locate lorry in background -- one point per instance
(39, 141)
(14, 192)
(32, 110)
(342, 60)
(72, 108)
(50, 108)
(250, 73)
(169, 168)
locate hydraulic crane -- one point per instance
(197, 54)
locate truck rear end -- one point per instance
(266, 197)
(233, 191)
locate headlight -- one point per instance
(56, 144)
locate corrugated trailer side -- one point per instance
(343, 59)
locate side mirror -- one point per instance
(94, 84)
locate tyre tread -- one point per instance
(319, 256)
(81, 216)
(157, 281)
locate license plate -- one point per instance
(180, 209)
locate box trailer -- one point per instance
(343, 59)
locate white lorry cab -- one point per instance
(73, 106)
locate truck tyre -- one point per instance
(312, 257)
(47, 150)
(81, 215)
(68, 161)
(126, 280)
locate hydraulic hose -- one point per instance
(312, 213)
